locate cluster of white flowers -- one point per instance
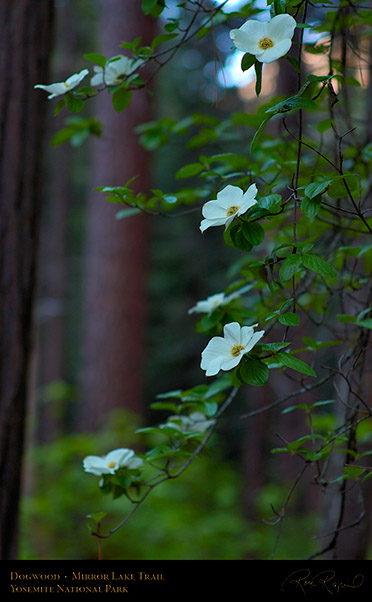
(109, 464)
(196, 421)
(267, 41)
(116, 69)
(112, 74)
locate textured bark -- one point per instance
(116, 250)
(24, 51)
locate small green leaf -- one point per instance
(248, 61)
(254, 372)
(73, 102)
(289, 267)
(324, 125)
(258, 70)
(192, 169)
(253, 232)
(312, 190)
(124, 213)
(318, 265)
(310, 206)
(365, 323)
(121, 99)
(346, 318)
(97, 516)
(94, 57)
(293, 362)
(289, 319)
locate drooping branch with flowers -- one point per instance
(298, 207)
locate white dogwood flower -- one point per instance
(268, 41)
(231, 202)
(211, 303)
(224, 353)
(114, 72)
(196, 421)
(109, 464)
(62, 87)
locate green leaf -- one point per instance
(121, 99)
(318, 265)
(248, 61)
(161, 39)
(97, 516)
(310, 207)
(124, 213)
(289, 267)
(338, 189)
(253, 372)
(289, 319)
(94, 57)
(312, 190)
(294, 62)
(192, 169)
(73, 102)
(365, 323)
(346, 318)
(324, 125)
(253, 232)
(293, 362)
(258, 70)
(238, 239)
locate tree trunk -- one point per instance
(24, 51)
(116, 251)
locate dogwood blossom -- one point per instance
(231, 202)
(224, 353)
(212, 302)
(268, 41)
(114, 72)
(62, 87)
(196, 421)
(109, 464)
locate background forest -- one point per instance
(112, 328)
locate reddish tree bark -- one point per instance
(24, 50)
(116, 251)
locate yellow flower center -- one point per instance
(236, 349)
(232, 210)
(111, 465)
(265, 43)
(66, 85)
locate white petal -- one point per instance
(281, 27)
(274, 53)
(246, 335)
(213, 210)
(95, 465)
(254, 340)
(97, 79)
(247, 36)
(233, 361)
(120, 456)
(251, 192)
(231, 333)
(74, 80)
(56, 89)
(206, 223)
(230, 195)
(135, 463)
